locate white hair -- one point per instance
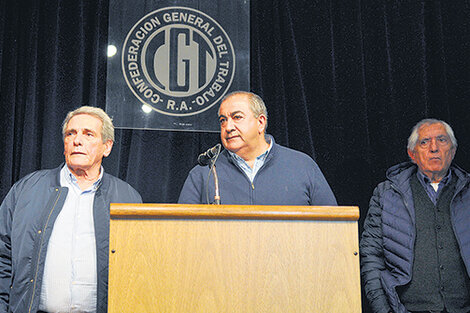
(413, 139)
(107, 129)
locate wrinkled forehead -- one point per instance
(432, 130)
(235, 103)
(85, 121)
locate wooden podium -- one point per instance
(240, 259)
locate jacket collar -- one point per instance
(104, 184)
(56, 173)
(400, 174)
(271, 153)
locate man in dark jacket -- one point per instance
(54, 225)
(415, 248)
(253, 169)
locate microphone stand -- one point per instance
(208, 158)
(216, 183)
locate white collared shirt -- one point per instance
(70, 273)
(259, 162)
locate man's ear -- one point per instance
(411, 154)
(108, 147)
(454, 150)
(262, 123)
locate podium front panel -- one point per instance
(203, 264)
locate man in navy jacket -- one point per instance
(415, 248)
(253, 169)
(54, 225)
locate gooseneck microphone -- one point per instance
(208, 158)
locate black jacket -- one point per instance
(27, 217)
(387, 243)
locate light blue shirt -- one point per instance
(259, 162)
(70, 272)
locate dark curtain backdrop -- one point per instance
(344, 81)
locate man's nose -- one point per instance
(434, 146)
(77, 140)
(229, 125)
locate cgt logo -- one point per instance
(179, 61)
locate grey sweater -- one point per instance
(288, 177)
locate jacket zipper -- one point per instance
(252, 185)
(34, 280)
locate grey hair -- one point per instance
(107, 129)
(413, 139)
(257, 105)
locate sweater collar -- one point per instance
(271, 152)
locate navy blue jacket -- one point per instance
(288, 177)
(387, 243)
(27, 216)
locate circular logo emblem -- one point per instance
(179, 61)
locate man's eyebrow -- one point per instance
(235, 112)
(231, 113)
(83, 130)
(437, 136)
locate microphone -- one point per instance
(205, 158)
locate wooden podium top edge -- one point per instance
(204, 211)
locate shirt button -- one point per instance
(442, 288)
(440, 247)
(438, 226)
(441, 267)
(39, 231)
(31, 280)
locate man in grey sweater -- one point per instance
(253, 169)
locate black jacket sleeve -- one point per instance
(5, 249)
(372, 256)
